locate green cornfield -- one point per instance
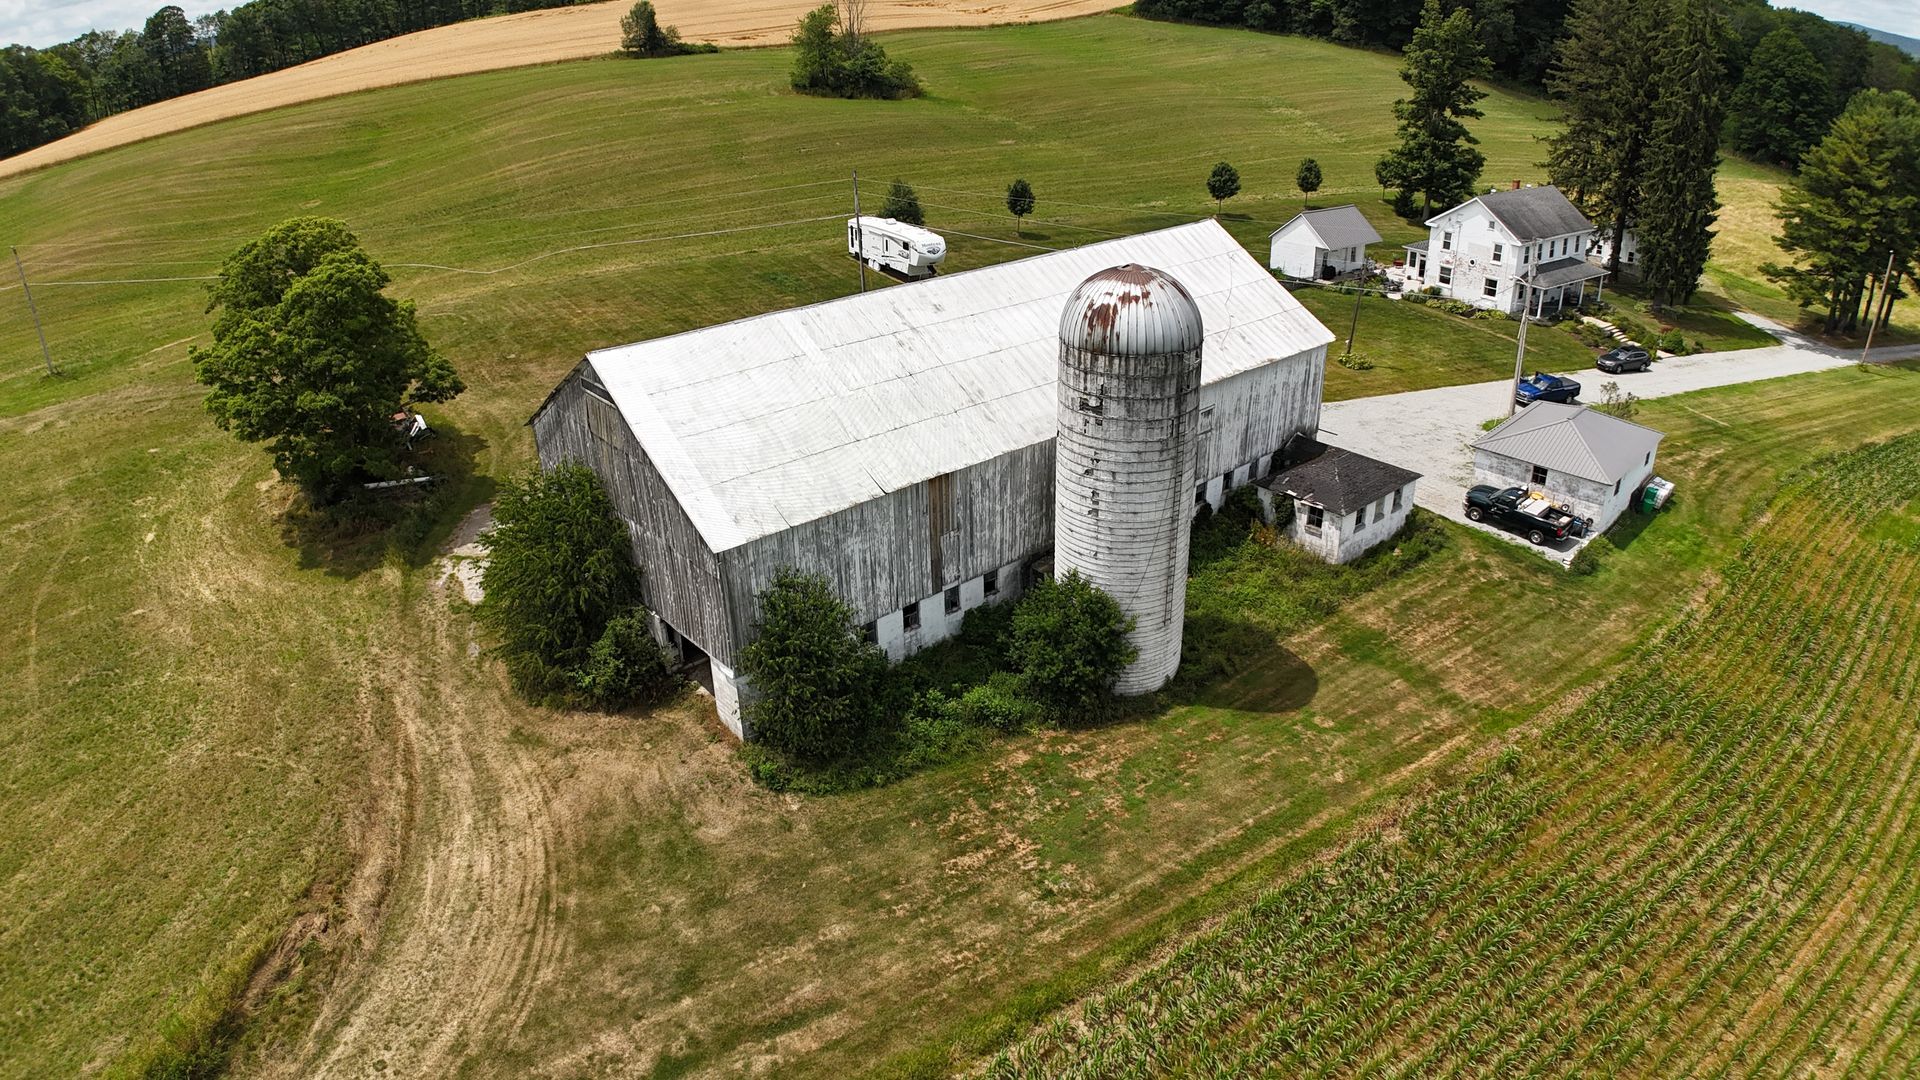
(1705, 869)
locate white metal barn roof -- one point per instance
(764, 423)
(1573, 439)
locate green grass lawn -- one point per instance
(1414, 347)
(205, 712)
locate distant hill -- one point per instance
(1910, 46)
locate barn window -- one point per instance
(1199, 494)
(870, 632)
(910, 616)
(990, 584)
(1539, 475)
(1226, 480)
(953, 600)
(1316, 517)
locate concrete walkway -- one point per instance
(1429, 430)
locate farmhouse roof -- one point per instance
(1334, 479)
(1336, 226)
(1573, 439)
(1417, 245)
(762, 424)
(1530, 213)
(1552, 275)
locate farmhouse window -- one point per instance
(910, 616)
(1498, 250)
(953, 600)
(990, 584)
(1446, 242)
(1539, 474)
(1446, 275)
(1492, 287)
(1316, 517)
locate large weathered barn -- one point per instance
(900, 442)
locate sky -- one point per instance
(48, 22)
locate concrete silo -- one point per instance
(1129, 391)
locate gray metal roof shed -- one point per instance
(1573, 439)
(1336, 226)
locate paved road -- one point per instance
(1429, 430)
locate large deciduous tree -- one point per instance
(1855, 201)
(1679, 205)
(1223, 183)
(1783, 103)
(1435, 155)
(1604, 78)
(1307, 179)
(311, 357)
(1019, 202)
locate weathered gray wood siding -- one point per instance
(680, 577)
(1256, 412)
(888, 552)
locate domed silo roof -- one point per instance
(1131, 310)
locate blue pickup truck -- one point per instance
(1541, 386)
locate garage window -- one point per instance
(1539, 475)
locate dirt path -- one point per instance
(468, 930)
(534, 37)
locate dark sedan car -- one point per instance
(1623, 359)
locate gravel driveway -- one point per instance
(1429, 430)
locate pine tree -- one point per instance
(1855, 200)
(1436, 155)
(1675, 226)
(1783, 104)
(1603, 77)
(903, 204)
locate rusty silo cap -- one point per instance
(1131, 310)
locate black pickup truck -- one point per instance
(1514, 508)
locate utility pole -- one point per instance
(1520, 354)
(1873, 317)
(1354, 327)
(859, 236)
(45, 356)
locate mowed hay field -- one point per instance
(230, 744)
(1706, 870)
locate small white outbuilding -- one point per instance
(1344, 504)
(1321, 244)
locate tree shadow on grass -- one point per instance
(1237, 664)
(400, 526)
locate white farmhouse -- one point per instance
(1343, 503)
(1322, 244)
(1600, 251)
(1589, 462)
(1487, 250)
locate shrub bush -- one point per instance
(1356, 362)
(819, 688)
(1588, 560)
(1675, 342)
(642, 36)
(1069, 642)
(559, 568)
(626, 666)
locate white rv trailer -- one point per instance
(885, 244)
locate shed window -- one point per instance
(1396, 500)
(1539, 474)
(953, 600)
(1380, 511)
(990, 584)
(910, 616)
(1446, 242)
(1491, 287)
(1316, 517)
(1359, 519)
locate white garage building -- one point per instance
(1592, 463)
(1321, 244)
